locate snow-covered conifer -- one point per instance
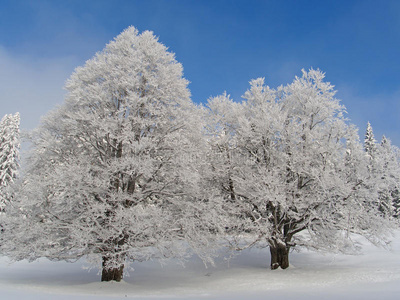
(369, 141)
(388, 178)
(9, 154)
(396, 192)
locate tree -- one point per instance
(295, 156)
(388, 179)
(369, 141)
(114, 171)
(396, 192)
(383, 171)
(222, 123)
(9, 155)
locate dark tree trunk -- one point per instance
(279, 256)
(110, 274)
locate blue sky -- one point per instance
(221, 44)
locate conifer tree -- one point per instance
(389, 180)
(369, 141)
(9, 155)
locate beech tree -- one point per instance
(9, 155)
(295, 157)
(114, 172)
(222, 123)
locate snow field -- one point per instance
(372, 275)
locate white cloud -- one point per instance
(32, 86)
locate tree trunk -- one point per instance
(279, 256)
(109, 274)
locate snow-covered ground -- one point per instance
(373, 275)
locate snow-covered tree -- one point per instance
(222, 123)
(362, 208)
(294, 154)
(383, 171)
(388, 179)
(220, 133)
(396, 193)
(9, 154)
(115, 171)
(369, 141)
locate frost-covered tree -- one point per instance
(9, 154)
(396, 192)
(291, 172)
(225, 157)
(363, 210)
(222, 123)
(383, 171)
(115, 171)
(388, 178)
(220, 133)
(369, 141)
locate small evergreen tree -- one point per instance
(389, 179)
(383, 169)
(369, 141)
(396, 192)
(9, 154)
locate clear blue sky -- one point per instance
(221, 44)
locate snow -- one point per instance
(372, 275)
